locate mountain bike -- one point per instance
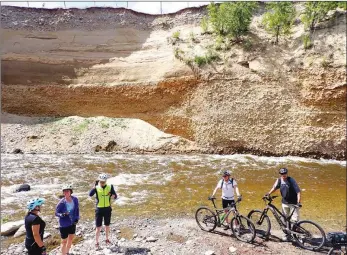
(307, 234)
(338, 241)
(242, 228)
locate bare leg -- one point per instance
(63, 246)
(69, 242)
(107, 228)
(97, 234)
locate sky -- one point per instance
(146, 7)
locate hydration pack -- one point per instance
(231, 180)
(337, 237)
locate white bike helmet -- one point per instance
(67, 186)
(283, 171)
(35, 202)
(226, 173)
(102, 177)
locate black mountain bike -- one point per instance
(307, 234)
(242, 228)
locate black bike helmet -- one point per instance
(283, 171)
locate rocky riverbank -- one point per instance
(180, 236)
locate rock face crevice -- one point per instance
(267, 100)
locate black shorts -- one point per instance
(65, 232)
(33, 249)
(103, 213)
(227, 203)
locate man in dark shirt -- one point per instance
(291, 195)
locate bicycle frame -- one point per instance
(285, 223)
(232, 209)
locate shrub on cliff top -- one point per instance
(316, 11)
(279, 18)
(231, 18)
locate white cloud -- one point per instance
(21, 4)
(146, 7)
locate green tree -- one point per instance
(231, 18)
(342, 5)
(279, 18)
(316, 12)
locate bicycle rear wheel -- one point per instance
(206, 219)
(337, 250)
(308, 235)
(243, 228)
(261, 223)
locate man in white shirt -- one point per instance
(228, 185)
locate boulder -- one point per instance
(23, 187)
(11, 227)
(20, 232)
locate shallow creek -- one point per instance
(171, 185)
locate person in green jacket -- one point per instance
(104, 192)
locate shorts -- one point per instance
(33, 249)
(103, 213)
(287, 209)
(227, 203)
(66, 231)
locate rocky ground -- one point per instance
(168, 236)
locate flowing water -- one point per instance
(171, 185)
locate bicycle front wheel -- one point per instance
(308, 235)
(206, 219)
(261, 223)
(340, 250)
(243, 228)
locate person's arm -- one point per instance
(274, 188)
(36, 233)
(237, 191)
(217, 187)
(113, 192)
(59, 210)
(77, 210)
(92, 192)
(297, 189)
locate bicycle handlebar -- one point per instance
(269, 198)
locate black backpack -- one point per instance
(279, 182)
(232, 182)
(337, 238)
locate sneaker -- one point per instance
(97, 246)
(108, 242)
(287, 238)
(226, 227)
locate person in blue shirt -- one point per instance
(68, 213)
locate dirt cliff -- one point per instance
(264, 99)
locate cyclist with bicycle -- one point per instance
(291, 195)
(227, 185)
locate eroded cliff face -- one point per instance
(273, 100)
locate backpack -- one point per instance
(232, 183)
(279, 182)
(337, 238)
